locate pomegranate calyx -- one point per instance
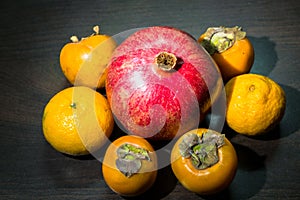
(165, 61)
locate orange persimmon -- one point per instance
(84, 61)
(204, 161)
(230, 49)
(129, 166)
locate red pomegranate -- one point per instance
(161, 83)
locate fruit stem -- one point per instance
(96, 29)
(165, 61)
(73, 105)
(252, 88)
(74, 38)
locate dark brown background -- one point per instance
(32, 34)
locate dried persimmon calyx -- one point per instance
(219, 39)
(129, 159)
(128, 167)
(203, 151)
(218, 139)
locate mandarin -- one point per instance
(255, 104)
(77, 121)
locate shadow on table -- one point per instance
(264, 62)
(290, 121)
(164, 185)
(265, 55)
(251, 174)
(287, 126)
(249, 179)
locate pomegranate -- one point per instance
(161, 83)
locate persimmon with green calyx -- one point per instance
(204, 161)
(230, 48)
(84, 61)
(129, 166)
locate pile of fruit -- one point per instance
(159, 84)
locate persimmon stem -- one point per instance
(96, 29)
(74, 38)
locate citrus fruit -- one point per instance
(77, 121)
(255, 104)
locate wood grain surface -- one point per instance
(32, 35)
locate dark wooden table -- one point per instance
(32, 34)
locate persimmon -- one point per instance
(84, 61)
(230, 48)
(204, 161)
(129, 166)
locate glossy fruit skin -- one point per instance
(137, 183)
(72, 118)
(153, 103)
(236, 60)
(255, 104)
(72, 56)
(205, 181)
(84, 62)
